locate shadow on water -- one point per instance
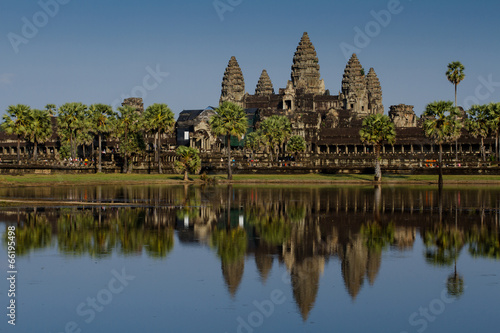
(301, 228)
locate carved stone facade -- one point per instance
(403, 115)
(304, 100)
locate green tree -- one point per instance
(101, 118)
(51, 108)
(375, 129)
(455, 74)
(15, 122)
(493, 110)
(71, 122)
(128, 130)
(478, 124)
(442, 126)
(274, 132)
(158, 119)
(296, 145)
(252, 142)
(189, 161)
(39, 128)
(229, 120)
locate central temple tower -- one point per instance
(305, 68)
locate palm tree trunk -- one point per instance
(496, 146)
(125, 160)
(456, 95)
(440, 180)
(483, 152)
(158, 147)
(229, 172)
(378, 170)
(35, 151)
(100, 154)
(186, 175)
(18, 150)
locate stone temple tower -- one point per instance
(354, 91)
(264, 86)
(233, 84)
(374, 92)
(305, 68)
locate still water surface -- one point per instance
(255, 259)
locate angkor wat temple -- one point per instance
(329, 123)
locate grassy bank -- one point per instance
(121, 179)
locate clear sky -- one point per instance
(95, 51)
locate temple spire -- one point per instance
(354, 93)
(374, 92)
(264, 86)
(305, 68)
(233, 84)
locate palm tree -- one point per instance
(296, 144)
(252, 142)
(39, 128)
(478, 124)
(128, 125)
(189, 161)
(275, 131)
(442, 126)
(51, 108)
(15, 122)
(159, 119)
(72, 120)
(101, 117)
(229, 120)
(375, 129)
(455, 75)
(493, 110)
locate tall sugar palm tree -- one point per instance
(15, 122)
(229, 120)
(101, 117)
(455, 75)
(39, 128)
(478, 124)
(375, 129)
(442, 126)
(158, 119)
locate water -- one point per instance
(254, 259)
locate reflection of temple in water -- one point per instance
(301, 228)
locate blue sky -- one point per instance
(97, 51)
